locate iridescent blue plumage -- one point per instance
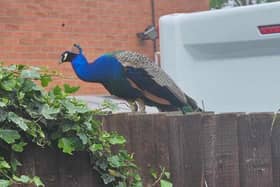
(106, 70)
(98, 70)
(133, 77)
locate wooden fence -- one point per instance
(223, 150)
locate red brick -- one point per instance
(37, 32)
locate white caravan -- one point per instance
(228, 59)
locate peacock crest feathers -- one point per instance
(76, 49)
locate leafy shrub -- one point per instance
(29, 114)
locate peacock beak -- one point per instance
(60, 61)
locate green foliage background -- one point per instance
(29, 114)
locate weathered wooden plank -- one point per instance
(27, 158)
(209, 151)
(226, 148)
(161, 141)
(142, 139)
(276, 151)
(220, 147)
(175, 152)
(46, 163)
(192, 149)
(75, 171)
(255, 150)
(189, 160)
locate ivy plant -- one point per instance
(163, 178)
(30, 114)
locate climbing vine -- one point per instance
(29, 114)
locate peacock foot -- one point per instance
(133, 106)
(141, 105)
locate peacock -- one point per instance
(133, 77)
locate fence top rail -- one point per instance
(178, 114)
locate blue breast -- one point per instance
(103, 69)
(106, 70)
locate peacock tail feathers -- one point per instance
(136, 60)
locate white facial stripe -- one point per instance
(65, 56)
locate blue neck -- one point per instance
(103, 69)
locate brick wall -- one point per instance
(35, 32)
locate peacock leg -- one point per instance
(133, 106)
(141, 105)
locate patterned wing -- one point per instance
(145, 70)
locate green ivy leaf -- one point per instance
(102, 164)
(96, 147)
(17, 120)
(87, 124)
(4, 101)
(108, 104)
(121, 184)
(72, 108)
(4, 164)
(9, 136)
(4, 183)
(70, 89)
(115, 139)
(57, 91)
(23, 179)
(8, 85)
(137, 181)
(66, 144)
(14, 164)
(107, 178)
(83, 138)
(45, 80)
(114, 173)
(3, 115)
(11, 68)
(30, 73)
(69, 144)
(49, 112)
(19, 147)
(28, 86)
(37, 181)
(21, 66)
(167, 174)
(165, 183)
(154, 173)
(2, 104)
(20, 96)
(68, 126)
(115, 161)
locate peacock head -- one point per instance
(68, 56)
